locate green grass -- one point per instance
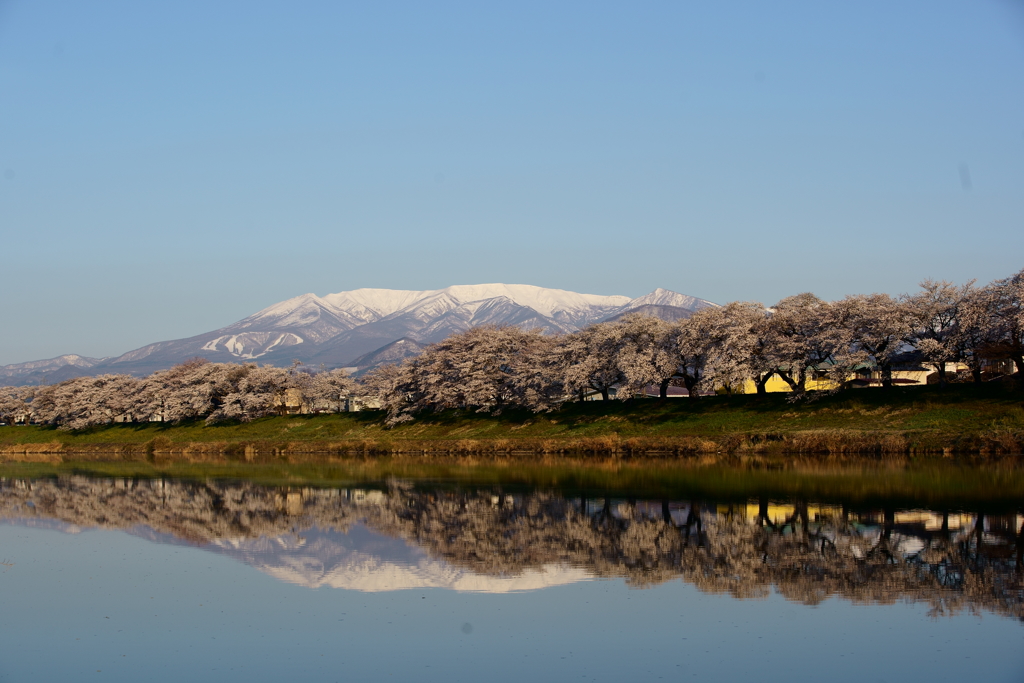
(960, 418)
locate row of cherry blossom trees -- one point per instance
(721, 348)
(489, 369)
(197, 389)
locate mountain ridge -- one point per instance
(336, 330)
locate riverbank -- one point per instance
(960, 420)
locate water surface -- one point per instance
(401, 579)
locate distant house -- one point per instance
(594, 395)
(651, 391)
(909, 371)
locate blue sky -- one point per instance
(168, 168)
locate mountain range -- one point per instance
(363, 328)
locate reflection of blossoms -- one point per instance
(746, 551)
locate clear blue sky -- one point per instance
(168, 168)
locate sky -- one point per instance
(169, 168)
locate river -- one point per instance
(596, 575)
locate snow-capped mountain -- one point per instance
(362, 560)
(665, 297)
(337, 329)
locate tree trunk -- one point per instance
(941, 368)
(604, 394)
(979, 530)
(762, 512)
(663, 388)
(886, 376)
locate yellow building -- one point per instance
(911, 375)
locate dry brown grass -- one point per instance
(823, 443)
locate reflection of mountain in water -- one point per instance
(360, 559)
(489, 541)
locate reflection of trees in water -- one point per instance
(884, 562)
(806, 552)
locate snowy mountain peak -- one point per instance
(299, 310)
(336, 329)
(665, 297)
(374, 303)
(547, 302)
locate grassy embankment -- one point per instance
(912, 421)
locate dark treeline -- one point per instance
(803, 340)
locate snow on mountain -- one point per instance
(317, 318)
(252, 345)
(664, 297)
(51, 363)
(357, 559)
(335, 329)
(372, 576)
(373, 304)
(362, 560)
(547, 302)
(667, 313)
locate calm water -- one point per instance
(135, 580)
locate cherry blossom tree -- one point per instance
(189, 391)
(1008, 319)
(946, 323)
(588, 360)
(977, 332)
(644, 354)
(873, 329)
(395, 387)
(251, 392)
(328, 390)
(709, 354)
(752, 337)
(478, 368)
(484, 368)
(15, 403)
(537, 381)
(86, 401)
(805, 339)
